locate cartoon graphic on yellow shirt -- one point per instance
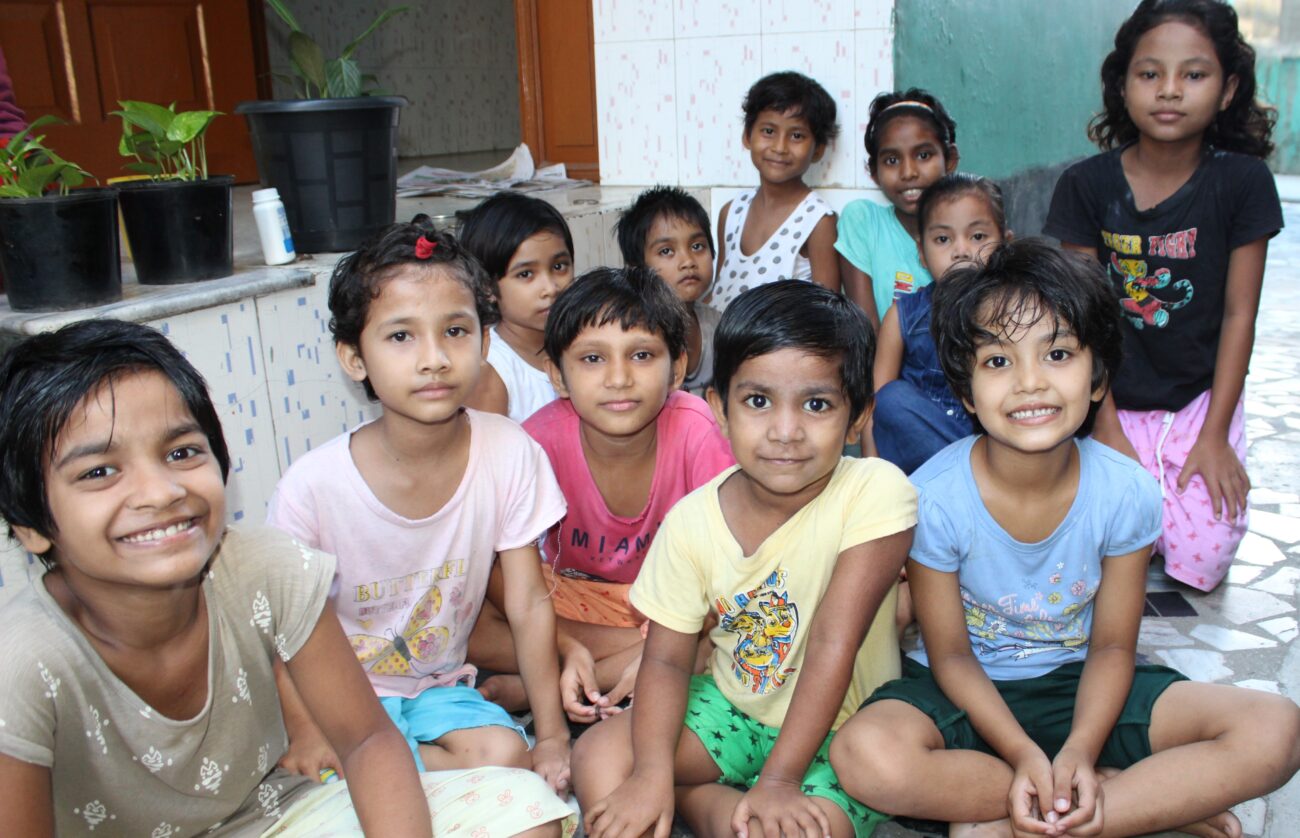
(766, 622)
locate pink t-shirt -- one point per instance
(592, 542)
(408, 592)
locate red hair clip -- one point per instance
(424, 247)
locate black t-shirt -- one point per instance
(1168, 264)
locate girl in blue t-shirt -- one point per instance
(1179, 208)
(960, 219)
(911, 142)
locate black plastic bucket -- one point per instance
(180, 231)
(60, 252)
(334, 162)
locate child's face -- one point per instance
(422, 346)
(960, 230)
(678, 250)
(1032, 387)
(1175, 86)
(540, 269)
(782, 146)
(617, 380)
(787, 418)
(134, 487)
(910, 158)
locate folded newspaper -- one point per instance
(516, 174)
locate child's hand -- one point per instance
(634, 808)
(579, 692)
(1031, 787)
(309, 754)
(782, 809)
(1224, 475)
(551, 761)
(621, 690)
(1077, 799)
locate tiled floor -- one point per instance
(1244, 633)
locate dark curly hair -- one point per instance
(795, 94)
(359, 277)
(1245, 126)
(888, 106)
(1022, 282)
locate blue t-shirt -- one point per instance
(1029, 606)
(870, 236)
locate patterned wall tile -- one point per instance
(873, 14)
(827, 57)
(807, 15)
(223, 343)
(713, 75)
(637, 112)
(873, 74)
(718, 19)
(615, 21)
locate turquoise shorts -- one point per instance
(441, 710)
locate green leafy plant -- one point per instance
(28, 169)
(166, 145)
(317, 77)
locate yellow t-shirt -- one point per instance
(765, 602)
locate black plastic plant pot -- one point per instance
(60, 252)
(334, 162)
(180, 231)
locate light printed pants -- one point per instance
(1197, 548)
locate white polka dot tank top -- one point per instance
(777, 258)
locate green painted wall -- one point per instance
(1019, 76)
(1278, 77)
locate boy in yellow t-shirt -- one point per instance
(796, 551)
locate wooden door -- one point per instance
(77, 58)
(557, 83)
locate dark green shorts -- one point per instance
(739, 746)
(1044, 706)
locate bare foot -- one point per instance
(1222, 825)
(988, 829)
(507, 691)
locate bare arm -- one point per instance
(1211, 455)
(889, 350)
(26, 800)
(857, 287)
(863, 576)
(382, 779)
(644, 802)
(720, 244)
(490, 394)
(309, 752)
(532, 624)
(822, 256)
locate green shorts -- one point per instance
(1044, 706)
(739, 746)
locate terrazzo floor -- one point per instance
(1244, 632)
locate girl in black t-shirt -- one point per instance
(1179, 208)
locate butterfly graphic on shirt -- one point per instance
(417, 650)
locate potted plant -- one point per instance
(332, 153)
(178, 221)
(58, 246)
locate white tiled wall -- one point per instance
(671, 75)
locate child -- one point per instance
(782, 230)
(625, 446)
(139, 693)
(911, 142)
(667, 230)
(415, 504)
(1028, 577)
(527, 250)
(1180, 209)
(960, 218)
(796, 550)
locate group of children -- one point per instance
(622, 503)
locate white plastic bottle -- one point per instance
(273, 227)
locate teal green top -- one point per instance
(872, 239)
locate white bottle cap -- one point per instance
(271, 194)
